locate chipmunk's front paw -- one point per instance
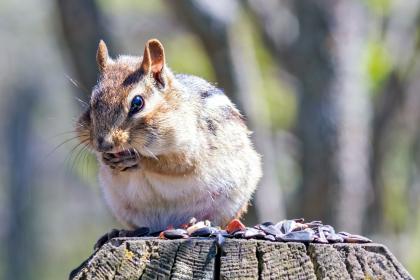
(122, 161)
(114, 233)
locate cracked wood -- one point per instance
(199, 258)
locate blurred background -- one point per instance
(331, 89)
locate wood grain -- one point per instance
(200, 258)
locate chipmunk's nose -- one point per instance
(104, 145)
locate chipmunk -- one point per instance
(170, 147)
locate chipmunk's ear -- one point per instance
(154, 59)
(102, 56)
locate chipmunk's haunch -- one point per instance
(170, 146)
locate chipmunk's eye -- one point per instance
(137, 103)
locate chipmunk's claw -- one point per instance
(121, 161)
(114, 233)
(105, 238)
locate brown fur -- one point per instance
(102, 56)
(172, 165)
(192, 152)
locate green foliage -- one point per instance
(279, 98)
(377, 64)
(395, 189)
(86, 167)
(379, 7)
(124, 5)
(281, 101)
(413, 255)
(185, 55)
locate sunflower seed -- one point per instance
(175, 233)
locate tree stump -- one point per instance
(200, 258)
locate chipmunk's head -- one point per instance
(130, 105)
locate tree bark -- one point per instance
(240, 259)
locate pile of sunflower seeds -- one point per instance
(295, 230)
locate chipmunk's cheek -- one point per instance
(139, 143)
(150, 139)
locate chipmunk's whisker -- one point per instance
(85, 160)
(60, 145)
(124, 149)
(64, 133)
(78, 124)
(147, 150)
(82, 142)
(75, 120)
(130, 151)
(136, 152)
(68, 158)
(77, 158)
(82, 160)
(151, 153)
(77, 84)
(83, 103)
(133, 150)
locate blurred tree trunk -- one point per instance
(333, 157)
(355, 110)
(305, 53)
(232, 56)
(21, 235)
(394, 98)
(83, 26)
(386, 107)
(413, 103)
(317, 112)
(408, 123)
(413, 193)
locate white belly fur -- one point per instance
(138, 198)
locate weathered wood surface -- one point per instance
(146, 258)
